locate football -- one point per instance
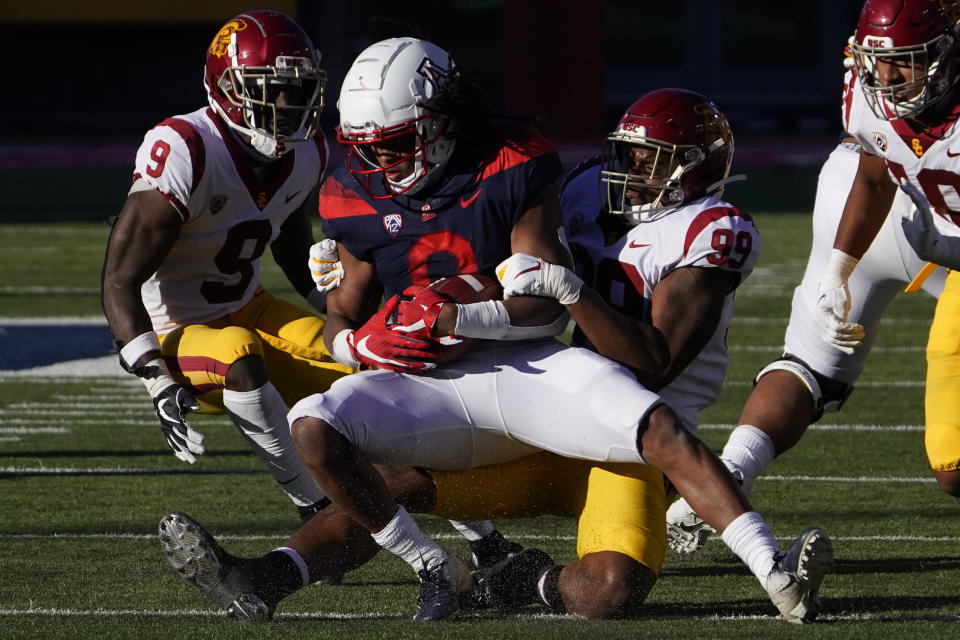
(464, 289)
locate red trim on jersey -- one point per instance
(174, 200)
(516, 152)
(338, 201)
(244, 169)
(704, 218)
(848, 99)
(928, 136)
(198, 153)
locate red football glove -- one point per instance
(417, 311)
(375, 345)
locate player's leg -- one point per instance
(225, 364)
(942, 399)
(792, 580)
(327, 545)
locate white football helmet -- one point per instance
(390, 91)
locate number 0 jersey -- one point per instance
(929, 159)
(462, 224)
(708, 233)
(229, 216)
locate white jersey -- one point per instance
(707, 233)
(229, 216)
(930, 160)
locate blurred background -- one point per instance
(105, 72)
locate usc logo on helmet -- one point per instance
(222, 40)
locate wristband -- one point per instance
(341, 351)
(840, 265)
(137, 348)
(488, 319)
(155, 376)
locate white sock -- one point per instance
(261, 416)
(749, 537)
(473, 530)
(747, 453)
(403, 537)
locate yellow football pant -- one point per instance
(942, 401)
(619, 507)
(289, 339)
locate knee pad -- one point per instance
(827, 395)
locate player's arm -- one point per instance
(536, 233)
(356, 299)
(146, 229)
(868, 203)
(871, 197)
(291, 248)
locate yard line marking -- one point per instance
(120, 471)
(831, 427)
(51, 321)
(10, 439)
(33, 430)
(379, 615)
(869, 384)
(782, 320)
(748, 348)
(850, 479)
(438, 536)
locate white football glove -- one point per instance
(922, 234)
(325, 266)
(833, 305)
(526, 275)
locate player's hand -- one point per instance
(325, 266)
(417, 311)
(922, 234)
(526, 275)
(375, 345)
(172, 403)
(830, 314)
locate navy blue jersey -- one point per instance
(459, 224)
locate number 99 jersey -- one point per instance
(624, 268)
(229, 215)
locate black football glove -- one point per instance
(172, 403)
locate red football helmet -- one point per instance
(263, 77)
(670, 147)
(920, 35)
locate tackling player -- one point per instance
(822, 359)
(675, 273)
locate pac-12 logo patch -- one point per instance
(393, 222)
(217, 202)
(880, 140)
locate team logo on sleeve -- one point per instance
(879, 140)
(393, 222)
(221, 41)
(217, 203)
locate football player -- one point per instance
(822, 358)
(700, 245)
(212, 190)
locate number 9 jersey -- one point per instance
(230, 216)
(625, 267)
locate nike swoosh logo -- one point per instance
(952, 155)
(290, 197)
(466, 203)
(636, 245)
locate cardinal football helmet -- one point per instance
(917, 34)
(670, 147)
(390, 92)
(263, 77)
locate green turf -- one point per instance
(82, 490)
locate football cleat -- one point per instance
(513, 581)
(794, 582)
(492, 549)
(196, 556)
(686, 531)
(440, 589)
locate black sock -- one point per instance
(548, 588)
(276, 575)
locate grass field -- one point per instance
(85, 478)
